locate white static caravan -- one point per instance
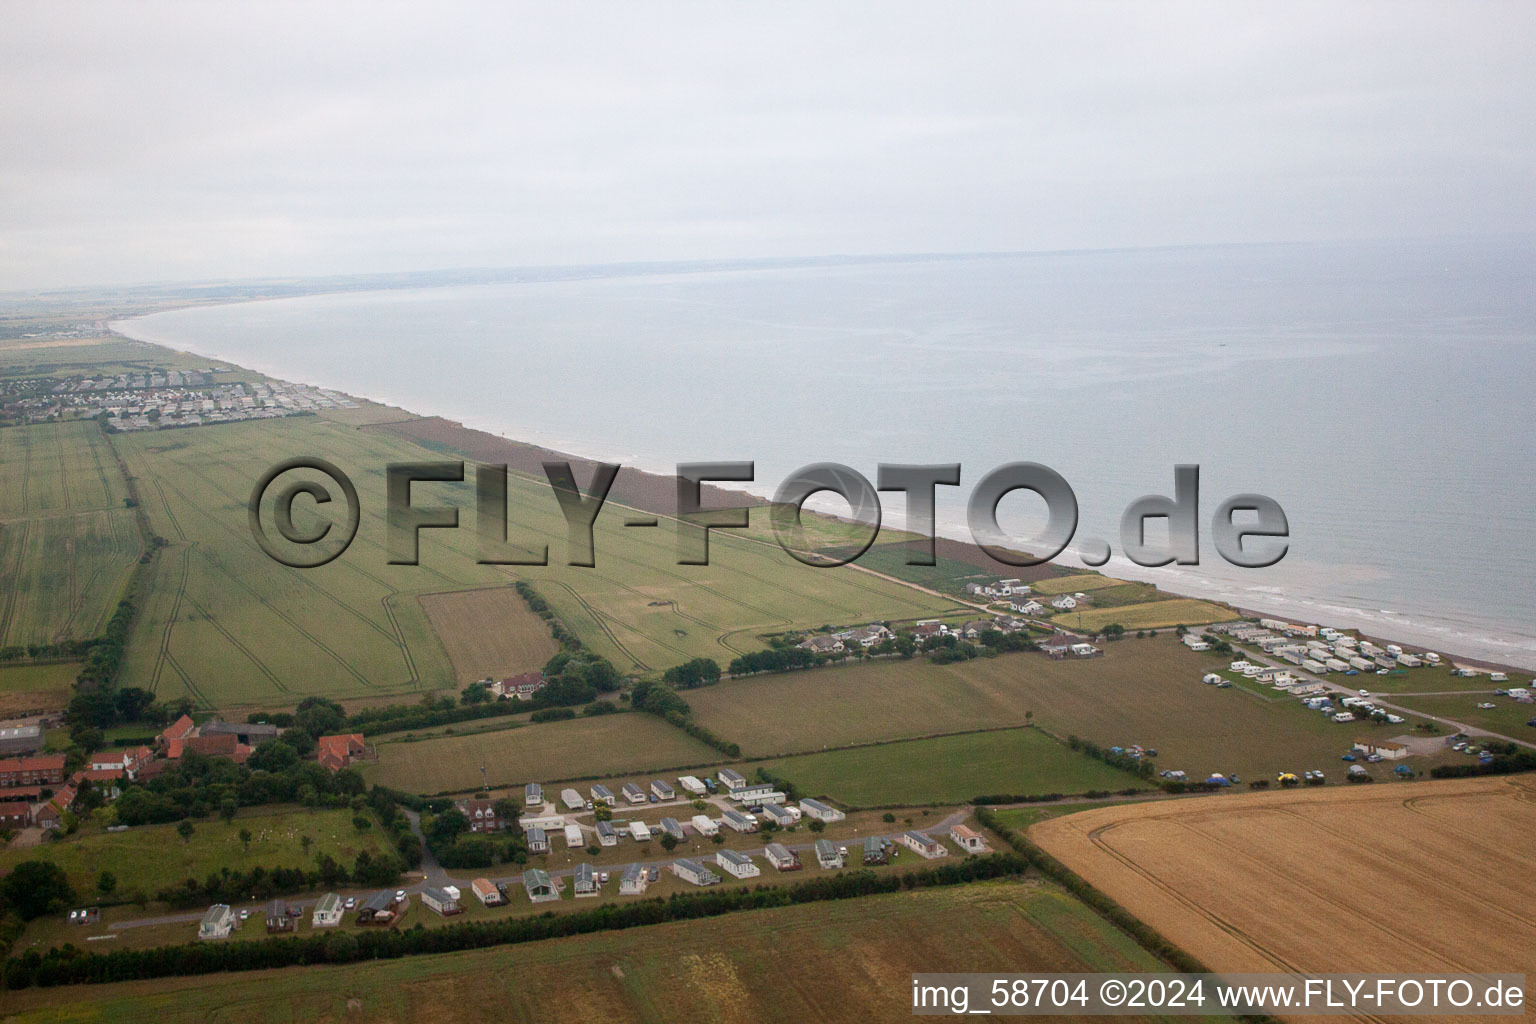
(1363, 664)
(639, 831)
(737, 864)
(1335, 665)
(633, 793)
(1409, 661)
(739, 822)
(606, 834)
(704, 826)
(820, 811)
(572, 800)
(1315, 667)
(691, 784)
(573, 837)
(690, 870)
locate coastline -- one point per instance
(1440, 639)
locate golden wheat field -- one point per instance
(1419, 877)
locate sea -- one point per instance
(1380, 392)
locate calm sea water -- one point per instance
(1381, 393)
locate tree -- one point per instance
(245, 840)
(888, 817)
(474, 693)
(361, 822)
(305, 841)
(106, 883)
(227, 808)
(817, 825)
(184, 829)
(717, 838)
(668, 841)
(34, 888)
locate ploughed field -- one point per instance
(1420, 877)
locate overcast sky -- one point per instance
(164, 142)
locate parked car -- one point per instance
(1373, 758)
(1365, 693)
(1347, 757)
(1486, 705)
(602, 878)
(399, 895)
(351, 902)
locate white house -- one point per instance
(924, 845)
(704, 826)
(690, 870)
(1064, 603)
(737, 864)
(328, 911)
(217, 922)
(821, 812)
(968, 839)
(634, 881)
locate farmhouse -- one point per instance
(968, 839)
(877, 849)
(440, 900)
(218, 921)
(584, 882)
(633, 793)
(328, 911)
(520, 687)
(533, 795)
(633, 882)
(737, 864)
(781, 857)
(673, 828)
(572, 800)
(821, 812)
(278, 918)
(486, 892)
(606, 835)
(704, 826)
(926, 846)
(538, 885)
(663, 789)
(481, 814)
(1386, 748)
(538, 840)
(601, 794)
(827, 855)
(336, 752)
(573, 837)
(738, 821)
(690, 870)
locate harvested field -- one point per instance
(1427, 876)
(36, 687)
(489, 632)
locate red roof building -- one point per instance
(41, 770)
(336, 752)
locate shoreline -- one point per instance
(1295, 610)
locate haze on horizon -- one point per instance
(184, 141)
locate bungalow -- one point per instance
(633, 793)
(690, 870)
(601, 794)
(445, 903)
(537, 883)
(278, 918)
(639, 831)
(673, 828)
(877, 849)
(736, 820)
(924, 631)
(779, 815)
(487, 892)
(606, 835)
(1085, 650)
(633, 882)
(704, 826)
(572, 800)
(1386, 748)
(381, 908)
(573, 837)
(538, 841)
(584, 882)
(481, 814)
(218, 921)
(926, 846)
(730, 778)
(533, 795)
(1027, 607)
(781, 857)
(867, 636)
(1064, 603)
(968, 839)
(520, 687)
(828, 855)
(336, 752)
(328, 911)
(737, 864)
(692, 784)
(821, 645)
(820, 811)
(663, 789)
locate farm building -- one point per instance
(673, 828)
(572, 800)
(782, 857)
(538, 841)
(704, 826)
(606, 835)
(663, 789)
(634, 881)
(779, 815)
(738, 821)
(737, 864)
(328, 911)
(381, 908)
(539, 887)
(633, 793)
(691, 784)
(486, 892)
(730, 778)
(278, 918)
(690, 870)
(968, 839)
(218, 921)
(602, 794)
(877, 850)
(926, 846)
(440, 900)
(533, 795)
(1386, 748)
(827, 855)
(584, 882)
(820, 811)
(639, 831)
(573, 836)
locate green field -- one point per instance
(1080, 583)
(233, 628)
(604, 745)
(950, 769)
(1178, 611)
(1141, 691)
(31, 687)
(67, 539)
(149, 858)
(850, 960)
(1507, 717)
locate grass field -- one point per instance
(67, 540)
(489, 632)
(849, 961)
(1179, 611)
(26, 687)
(1141, 691)
(950, 769)
(1506, 717)
(151, 857)
(537, 753)
(1425, 876)
(1078, 583)
(233, 628)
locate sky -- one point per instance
(163, 142)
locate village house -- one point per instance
(537, 883)
(781, 857)
(15, 814)
(634, 881)
(39, 770)
(925, 846)
(1064, 603)
(481, 814)
(925, 631)
(692, 871)
(737, 864)
(865, 636)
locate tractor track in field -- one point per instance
(234, 642)
(11, 592)
(597, 620)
